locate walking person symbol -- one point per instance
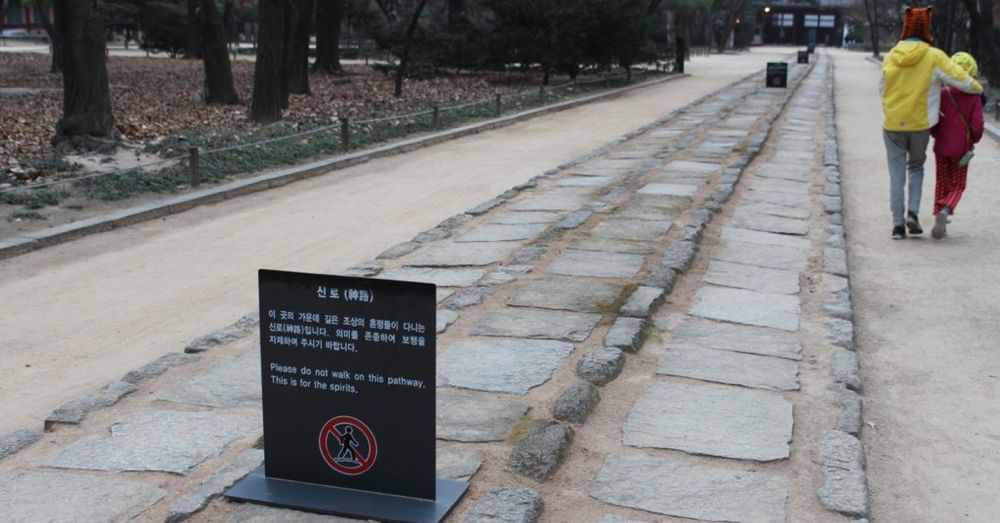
(347, 446)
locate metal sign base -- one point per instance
(324, 499)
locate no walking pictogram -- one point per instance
(356, 448)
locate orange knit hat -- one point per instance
(917, 22)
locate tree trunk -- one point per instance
(298, 46)
(738, 7)
(329, 18)
(269, 84)
(192, 47)
(983, 42)
(86, 121)
(229, 21)
(871, 13)
(218, 71)
(682, 20)
(944, 16)
(55, 39)
(408, 39)
(456, 10)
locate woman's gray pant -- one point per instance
(906, 152)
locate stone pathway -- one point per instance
(594, 363)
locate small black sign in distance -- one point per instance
(777, 74)
(803, 57)
(348, 383)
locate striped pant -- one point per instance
(950, 183)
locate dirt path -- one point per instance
(927, 327)
(74, 316)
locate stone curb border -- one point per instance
(842, 455)
(19, 439)
(27, 242)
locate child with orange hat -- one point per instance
(959, 128)
(913, 73)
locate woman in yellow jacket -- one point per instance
(912, 76)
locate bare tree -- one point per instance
(329, 18)
(871, 13)
(55, 38)
(297, 46)
(218, 70)
(270, 85)
(982, 37)
(407, 41)
(86, 122)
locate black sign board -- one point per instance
(777, 74)
(348, 378)
(803, 57)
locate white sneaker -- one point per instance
(940, 225)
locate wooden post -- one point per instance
(499, 104)
(194, 166)
(345, 133)
(436, 117)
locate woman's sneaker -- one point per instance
(913, 224)
(940, 228)
(898, 232)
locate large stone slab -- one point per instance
(769, 223)
(776, 197)
(549, 325)
(457, 463)
(800, 190)
(228, 383)
(721, 336)
(607, 245)
(449, 277)
(512, 366)
(747, 307)
(752, 277)
(586, 181)
(497, 232)
(773, 256)
(59, 497)
(452, 254)
(669, 189)
(253, 513)
(476, 418)
(738, 234)
(628, 229)
(559, 292)
(676, 488)
(596, 264)
(686, 166)
(507, 505)
(191, 503)
(526, 217)
(735, 368)
(799, 173)
(554, 200)
(159, 440)
(711, 419)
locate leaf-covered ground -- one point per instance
(154, 98)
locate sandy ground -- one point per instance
(76, 315)
(927, 317)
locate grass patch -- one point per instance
(33, 199)
(18, 216)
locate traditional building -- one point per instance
(791, 22)
(24, 19)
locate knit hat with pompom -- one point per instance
(917, 23)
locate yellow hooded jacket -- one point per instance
(912, 75)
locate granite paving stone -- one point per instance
(775, 197)
(13, 441)
(797, 189)
(626, 334)
(444, 319)
(735, 368)
(642, 302)
(476, 418)
(586, 181)
(752, 277)
(457, 463)
(677, 488)
(507, 505)
(452, 254)
(576, 402)
(449, 277)
(59, 497)
(566, 293)
(511, 366)
(844, 368)
(610, 518)
(600, 366)
(74, 411)
(159, 440)
(737, 234)
(840, 333)
(159, 366)
(630, 229)
(565, 199)
(497, 232)
(835, 261)
(844, 488)
(526, 217)
(227, 383)
(192, 502)
(711, 419)
(850, 418)
(799, 173)
(676, 204)
(687, 166)
(466, 297)
(669, 189)
(606, 245)
(443, 293)
(769, 223)
(254, 513)
(773, 256)
(679, 255)
(777, 311)
(596, 264)
(525, 323)
(634, 210)
(540, 452)
(574, 219)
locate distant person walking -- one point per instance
(912, 76)
(960, 127)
